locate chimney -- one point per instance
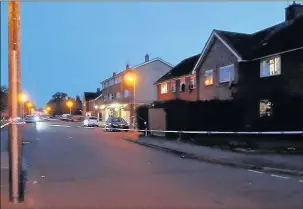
(293, 11)
(127, 66)
(114, 74)
(98, 90)
(146, 58)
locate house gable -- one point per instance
(218, 55)
(215, 36)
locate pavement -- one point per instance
(75, 167)
(286, 164)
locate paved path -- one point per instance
(88, 168)
(294, 162)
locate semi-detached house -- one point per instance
(230, 61)
(258, 64)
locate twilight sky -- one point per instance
(72, 46)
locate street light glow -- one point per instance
(69, 103)
(130, 77)
(23, 97)
(29, 104)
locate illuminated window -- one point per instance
(265, 108)
(173, 86)
(209, 77)
(192, 82)
(182, 84)
(118, 95)
(226, 73)
(163, 88)
(270, 67)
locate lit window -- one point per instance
(270, 67)
(118, 95)
(265, 108)
(163, 88)
(209, 77)
(192, 82)
(226, 73)
(173, 86)
(126, 93)
(182, 84)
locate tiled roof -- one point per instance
(184, 67)
(281, 37)
(90, 95)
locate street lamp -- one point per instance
(29, 106)
(70, 104)
(23, 98)
(131, 78)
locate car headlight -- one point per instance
(36, 118)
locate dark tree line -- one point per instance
(58, 104)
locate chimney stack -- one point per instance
(127, 66)
(146, 58)
(293, 11)
(114, 74)
(98, 90)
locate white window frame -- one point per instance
(182, 81)
(118, 95)
(209, 75)
(126, 93)
(270, 67)
(192, 81)
(227, 73)
(163, 88)
(173, 86)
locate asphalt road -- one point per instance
(72, 168)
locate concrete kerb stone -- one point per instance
(220, 161)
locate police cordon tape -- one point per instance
(193, 132)
(215, 132)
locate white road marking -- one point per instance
(282, 177)
(35, 182)
(259, 172)
(301, 181)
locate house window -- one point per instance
(118, 95)
(192, 82)
(270, 67)
(265, 108)
(182, 84)
(163, 88)
(126, 93)
(226, 73)
(209, 77)
(173, 86)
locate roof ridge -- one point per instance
(225, 31)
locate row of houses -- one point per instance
(231, 62)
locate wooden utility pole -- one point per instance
(14, 90)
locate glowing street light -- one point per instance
(131, 78)
(23, 97)
(69, 103)
(48, 108)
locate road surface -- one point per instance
(76, 167)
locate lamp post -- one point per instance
(69, 104)
(132, 79)
(15, 146)
(29, 106)
(23, 98)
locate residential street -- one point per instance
(78, 167)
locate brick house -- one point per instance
(88, 103)
(120, 96)
(179, 82)
(253, 65)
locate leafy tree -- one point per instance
(3, 98)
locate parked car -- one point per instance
(31, 119)
(67, 117)
(91, 121)
(115, 123)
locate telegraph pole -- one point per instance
(15, 144)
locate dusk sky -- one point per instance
(72, 46)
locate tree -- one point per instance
(57, 103)
(3, 98)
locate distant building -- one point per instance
(120, 95)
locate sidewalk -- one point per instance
(288, 164)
